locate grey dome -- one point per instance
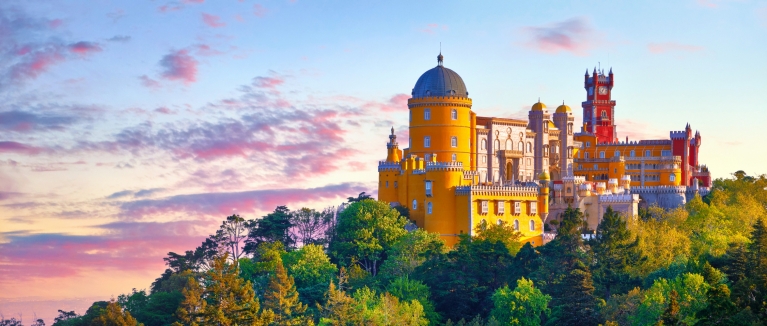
(440, 81)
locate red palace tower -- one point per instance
(599, 109)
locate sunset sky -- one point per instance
(129, 129)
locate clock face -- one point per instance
(602, 90)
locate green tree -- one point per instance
(226, 299)
(364, 232)
(614, 251)
(522, 306)
(281, 298)
(462, 281)
(503, 232)
(691, 292)
(719, 309)
(577, 304)
(407, 290)
(275, 226)
(409, 252)
(312, 270)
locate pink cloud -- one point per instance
(149, 82)
(179, 65)
(659, 48)
(14, 147)
(212, 20)
(574, 35)
(163, 110)
(245, 202)
(638, 130)
(259, 10)
(433, 28)
(268, 82)
(84, 48)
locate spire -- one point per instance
(440, 58)
(587, 72)
(595, 71)
(611, 70)
(392, 130)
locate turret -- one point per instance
(393, 153)
(626, 183)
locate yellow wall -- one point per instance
(441, 127)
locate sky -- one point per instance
(129, 129)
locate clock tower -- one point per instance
(599, 109)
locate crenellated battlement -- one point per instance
(497, 190)
(619, 198)
(659, 189)
(419, 171)
(574, 179)
(678, 134)
(384, 166)
(444, 166)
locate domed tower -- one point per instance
(440, 117)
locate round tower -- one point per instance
(543, 195)
(440, 116)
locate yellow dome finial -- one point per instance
(538, 106)
(544, 176)
(563, 108)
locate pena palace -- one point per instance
(460, 171)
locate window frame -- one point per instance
(415, 204)
(429, 208)
(428, 188)
(426, 141)
(454, 114)
(453, 141)
(427, 114)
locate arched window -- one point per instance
(484, 159)
(532, 225)
(520, 147)
(484, 144)
(529, 147)
(604, 114)
(455, 157)
(633, 153)
(497, 144)
(508, 145)
(602, 154)
(454, 114)
(415, 204)
(427, 114)
(427, 141)
(617, 153)
(516, 225)
(428, 208)
(454, 141)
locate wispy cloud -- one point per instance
(212, 20)
(223, 203)
(574, 35)
(259, 10)
(433, 28)
(671, 47)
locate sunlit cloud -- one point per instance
(574, 35)
(212, 20)
(179, 66)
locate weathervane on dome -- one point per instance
(440, 57)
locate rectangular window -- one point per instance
(595, 167)
(427, 114)
(586, 155)
(647, 153)
(395, 184)
(517, 207)
(665, 153)
(387, 184)
(588, 144)
(632, 154)
(602, 154)
(483, 206)
(533, 208)
(500, 206)
(428, 188)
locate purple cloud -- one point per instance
(179, 66)
(574, 35)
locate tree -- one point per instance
(719, 309)
(10, 322)
(312, 270)
(231, 235)
(409, 252)
(226, 299)
(407, 290)
(281, 298)
(502, 232)
(577, 304)
(614, 251)
(365, 231)
(275, 226)
(462, 281)
(113, 315)
(309, 226)
(691, 292)
(522, 306)
(670, 316)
